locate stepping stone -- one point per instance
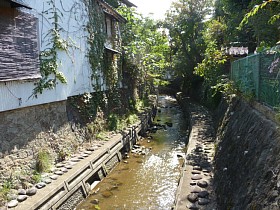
(68, 166)
(195, 189)
(85, 155)
(192, 197)
(21, 198)
(47, 181)
(40, 185)
(21, 191)
(64, 170)
(193, 206)
(198, 168)
(12, 203)
(74, 159)
(91, 149)
(58, 173)
(88, 152)
(203, 201)
(196, 177)
(59, 165)
(31, 191)
(193, 183)
(206, 171)
(196, 172)
(202, 184)
(54, 177)
(203, 194)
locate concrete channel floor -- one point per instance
(195, 189)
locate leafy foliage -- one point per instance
(146, 50)
(185, 24)
(49, 62)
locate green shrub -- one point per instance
(43, 161)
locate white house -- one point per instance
(27, 29)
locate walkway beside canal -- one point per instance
(195, 189)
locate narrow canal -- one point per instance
(147, 179)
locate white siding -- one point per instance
(74, 66)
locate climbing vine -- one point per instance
(96, 39)
(49, 62)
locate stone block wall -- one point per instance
(247, 169)
(26, 131)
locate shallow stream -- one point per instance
(147, 181)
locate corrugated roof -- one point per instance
(17, 3)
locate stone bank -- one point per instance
(25, 131)
(242, 144)
(247, 161)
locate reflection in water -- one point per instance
(147, 181)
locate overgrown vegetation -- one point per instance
(200, 30)
(43, 161)
(49, 62)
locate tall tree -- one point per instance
(146, 52)
(185, 24)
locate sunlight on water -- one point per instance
(150, 181)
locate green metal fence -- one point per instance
(258, 76)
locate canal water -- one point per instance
(147, 180)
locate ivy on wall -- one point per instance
(96, 39)
(49, 62)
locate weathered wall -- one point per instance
(247, 159)
(25, 131)
(19, 53)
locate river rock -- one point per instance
(31, 191)
(21, 191)
(198, 168)
(203, 194)
(85, 155)
(91, 149)
(196, 172)
(193, 206)
(64, 170)
(68, 166)
(59, 165)
(196, 177)
(192, 197)
(54, 177)
(192, 183)
(58, 172)
(74, 159)
(40, 185)
(21, 198)
(203, 201)
(12, 203)
(195, 189)
(47, 180)
(202, 184)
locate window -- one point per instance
(19, 55)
